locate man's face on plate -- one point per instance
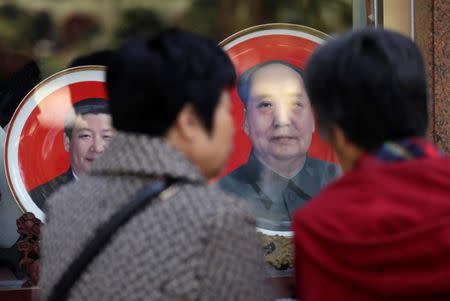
(91, 135)
(279, 118)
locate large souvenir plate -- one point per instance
(270, 60)
(34, 147)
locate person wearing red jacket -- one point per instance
(382, 230)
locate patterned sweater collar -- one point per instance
(142, 155)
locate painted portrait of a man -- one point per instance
(279, 176)
(87, 132)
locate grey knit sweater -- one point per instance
(200, 244)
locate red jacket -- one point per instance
(381, 232)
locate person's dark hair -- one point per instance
(83, 107)
(100, 57)
(370, 83)
(245, 79)
(13, 90)
(149, 81)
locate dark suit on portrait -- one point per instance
(43, 192)
(274, 198)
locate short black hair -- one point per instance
(83, 107)
(245, 79)
(100, 57)
(372, 84)
(150, 80)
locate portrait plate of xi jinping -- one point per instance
(279, 161)
(59, 129)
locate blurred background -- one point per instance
(55, 32)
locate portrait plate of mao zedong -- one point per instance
(279, 161)
(59, 129)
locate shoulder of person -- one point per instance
(231, 182)
(233, 262)
(237, 179)
(347, 196)
(214, 198)
(324, 167)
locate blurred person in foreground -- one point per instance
(382, 231)
(170, 104)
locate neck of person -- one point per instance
(287, 168)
